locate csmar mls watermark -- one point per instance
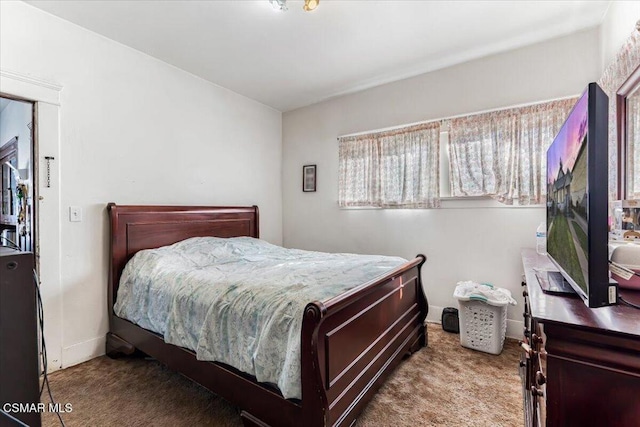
(27, 408)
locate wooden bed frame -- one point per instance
(350, 343)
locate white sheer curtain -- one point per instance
(393, 169)
(633, 146)
(616, 73)
(502, 154)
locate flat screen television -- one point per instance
(577, 199)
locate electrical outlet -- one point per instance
(75, 213)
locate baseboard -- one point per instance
(93, 348)
(515, 328)
(83, 351)
(435, 314)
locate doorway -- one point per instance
(17, 148)
(44, 96)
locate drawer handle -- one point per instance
(540, 378)
(527, 349)
(536, 339)
(536, 391)
(525, 293)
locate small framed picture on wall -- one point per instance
(309, 178)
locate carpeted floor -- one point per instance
(441, 385)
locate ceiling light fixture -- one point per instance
(310, 5)
(281, 5)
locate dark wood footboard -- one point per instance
(350, 343)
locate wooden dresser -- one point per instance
(579, 366)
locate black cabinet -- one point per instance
(19, 366)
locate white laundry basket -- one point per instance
(483, 315)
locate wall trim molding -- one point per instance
(30, 87)
(83, 351)
(515, 328)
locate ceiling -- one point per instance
(291, 59)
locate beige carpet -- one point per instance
(441, 385)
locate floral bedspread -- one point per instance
(238, 301)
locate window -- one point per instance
(499, 154)
(502, 154)
(621, 82)
(393, 169)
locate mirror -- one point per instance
(628, 112)
(17, 170)
(9, 156)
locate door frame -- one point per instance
(46, 200)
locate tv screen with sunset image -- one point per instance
(567, 196)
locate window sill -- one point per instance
(470, 202)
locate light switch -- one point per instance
(75, 213)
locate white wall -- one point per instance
(618, 24)
(134, 130)
(466, 239)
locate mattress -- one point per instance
(239, 301)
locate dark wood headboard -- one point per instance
(134, 228)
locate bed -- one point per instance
(349, 343)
